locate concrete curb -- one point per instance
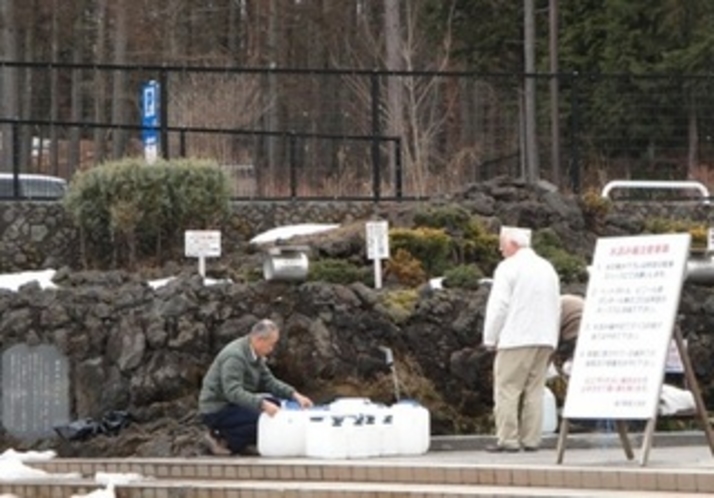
(580, 441)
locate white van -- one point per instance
(33, 186)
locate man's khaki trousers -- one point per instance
(519, 380)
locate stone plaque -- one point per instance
(35, 390)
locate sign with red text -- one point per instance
(626, 330)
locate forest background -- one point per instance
(576, 93)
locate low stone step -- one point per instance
(165, 488)
(505, 472)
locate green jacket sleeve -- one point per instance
(274, 386)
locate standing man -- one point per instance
(522, 324)
(237, 389)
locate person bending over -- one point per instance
(238, 387)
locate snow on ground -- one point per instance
(13, 281)
(291, 231)
(13, 468)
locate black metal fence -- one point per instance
(289, 133)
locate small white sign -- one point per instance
(710, 239)
(626, 330)
(674, 363)
(377, 240)
(202, 243)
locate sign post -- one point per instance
(202, 244)
(625, 333)
(150, 120)
(377, 247)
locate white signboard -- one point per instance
(626, 329)
(377, 240)
(202, 243)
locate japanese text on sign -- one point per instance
(626, 329)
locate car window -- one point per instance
(33, 188)
(36, 188)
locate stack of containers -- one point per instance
(346, 428)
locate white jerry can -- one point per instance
(283, 434)
(412, 424)
(550, 412)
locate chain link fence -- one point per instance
(356, 134)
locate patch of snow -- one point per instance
(13, 281)
(285, 232)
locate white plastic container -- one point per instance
(550, 412)
(283, 434)
(327, 436)
(350, 406)
(388, 438)
(412, 424)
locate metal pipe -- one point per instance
(657, 184)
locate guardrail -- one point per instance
(657, 184)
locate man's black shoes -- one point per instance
(497, 448)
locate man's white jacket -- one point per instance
(524, 305)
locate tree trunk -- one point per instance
(54, 90)
(25, 113)
(554, 90)
(393, 39)
(272, 114)
(119, 136)
(74, 158)
(693, 142)
(99, 80)
(531, 139)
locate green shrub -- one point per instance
(479, 247)
(431, 246)
(400, 303)
(405, 268)
(452, 218)
(339, 271)
(463, 276)
(570, 267)
(128, 209)
(699, 231)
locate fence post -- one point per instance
(376, 133)
(164, 112)
(574, 121)
(398, 167)
(292, 152)
(15, 160)
(182, 143)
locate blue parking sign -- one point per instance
(150, 119)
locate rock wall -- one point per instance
(136, 348)
(36, 235)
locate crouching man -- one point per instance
(238, 387)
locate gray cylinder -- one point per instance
(285, 266)
(700, 270)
